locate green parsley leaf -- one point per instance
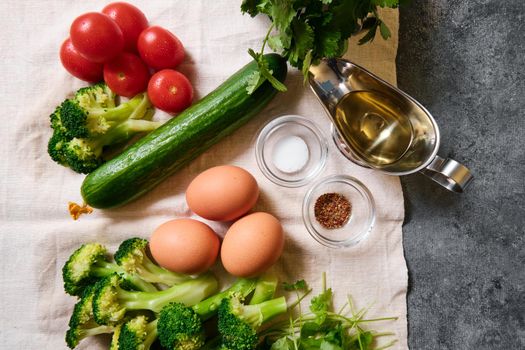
(305, 31)
(325, 345)
(370, 35)
(328, 43)
(385, 32)
(306, 65)
(298, 285)
(303, 42)
(255, 80)
(282, 344)
(250, 7)
(320, 305)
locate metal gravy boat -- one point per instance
(333, 79)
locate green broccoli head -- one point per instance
(133, 258)
(107, 308)
(79, 269)
(89, 112)
(83, 155)
(56, 121)
(238, 323)
(137, 334)
(87, 123)
(82, 323)
(89, 263)
(86, 117)
(180, 328)
(56, 147)
(95, 96)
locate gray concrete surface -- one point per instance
(465, 61)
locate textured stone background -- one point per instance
(465, 61)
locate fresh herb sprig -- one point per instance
(323, 328)
(304, 31)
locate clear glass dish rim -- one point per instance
(348, 180)
(267, 129)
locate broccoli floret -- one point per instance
(132, 257)
(56, 121)
(56, 148)
(111, 301)
(88, 264)
(96, 96)
(238, 323)
(82, 323)
(88, 123)
(91, 121)
(114, 345)
(180, 327)
(137, 334)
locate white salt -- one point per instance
(290, 154)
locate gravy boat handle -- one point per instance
(450, 174)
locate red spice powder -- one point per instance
(332, 210)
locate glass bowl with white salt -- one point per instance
(291, 151)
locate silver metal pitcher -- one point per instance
(333, 79)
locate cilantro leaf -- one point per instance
(303, 42)
(385, 32)
(328, 43)
(370, 35)
(325, 345)
(281, 12)
(250, 7)
(305, 31)
(320, 305)
(298, 285)
(282, 344)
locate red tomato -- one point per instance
(130, 20)
(126, 75)
(170, 91)
(96, 37)
(159, 48)
(77, 65)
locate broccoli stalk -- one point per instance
(111, 301)
(180, 327)
(265, 288)
(137, 334)
(132, 257)
(84, 125)
(238, 323)
(208, 307)
(82, 323)
(89, 263)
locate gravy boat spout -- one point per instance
(378, 126)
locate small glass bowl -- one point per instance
(276, 130)
(362, 215)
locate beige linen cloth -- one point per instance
(37, 235)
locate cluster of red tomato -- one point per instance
(117, 45)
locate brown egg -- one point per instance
(222, 193)
(185, 246)
(252, 245)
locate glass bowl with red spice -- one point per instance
(338, 211)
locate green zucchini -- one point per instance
(164, 151)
